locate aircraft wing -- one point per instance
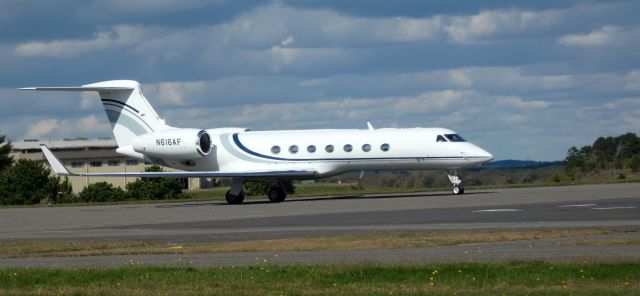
(60, 169)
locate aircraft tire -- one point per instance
(276, 194)
(458, 189)
(234, 199)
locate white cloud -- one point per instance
(117, 37)
(287, 41)
(300, 58)
(632, 81)
(519, 103)
(89, 100)
(53, 128)
(460, 77)
(277, 24)
(465, 29)
(327, 113)
(41, 128)
(605, 35)
(514, 118)
(550, 82)
(174, 93)
(625, 103)
(64, 48)
(142, 6)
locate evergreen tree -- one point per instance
(27, 182)
(5, 149)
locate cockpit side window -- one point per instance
(455, 138)
(440, 138)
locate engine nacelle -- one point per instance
(174, 144)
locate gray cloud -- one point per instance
(524, 80)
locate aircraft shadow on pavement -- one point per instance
(319, 198)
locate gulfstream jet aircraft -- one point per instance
(282, 156)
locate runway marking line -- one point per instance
(497, 210)
(576, 206)
(613, 208)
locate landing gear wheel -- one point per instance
(458, 189)
(235, 199)
(456, 182)
(276, 194)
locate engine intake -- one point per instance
(174, 144)
(204, 143)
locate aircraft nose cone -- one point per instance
(483, 154)
(486, 155)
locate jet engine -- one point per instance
(174, 144)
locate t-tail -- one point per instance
(129, 112)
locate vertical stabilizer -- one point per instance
(129, 112)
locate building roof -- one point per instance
(64, 144)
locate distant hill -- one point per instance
(511, 163)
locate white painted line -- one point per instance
(613, 208)
(497, 210)
(571, 206)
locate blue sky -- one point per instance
(524, 80)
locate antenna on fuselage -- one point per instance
(370, 126)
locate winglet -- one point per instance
(56, 165)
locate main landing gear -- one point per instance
(235, 199)
(235, 195)
(456, 182)
(277, 193)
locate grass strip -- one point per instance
(370, 241)
(519, 278)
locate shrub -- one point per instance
(101, 192)
(155, 188)
(257, 188)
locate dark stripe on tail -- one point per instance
(120, 103)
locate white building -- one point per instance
(91, 156)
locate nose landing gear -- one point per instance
(456, 182)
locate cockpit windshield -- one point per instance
(454, 138)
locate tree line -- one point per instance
(621, 152)
(28, 182)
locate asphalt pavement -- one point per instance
(612, 206)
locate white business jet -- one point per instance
(281, 156)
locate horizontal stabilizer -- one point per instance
(60, 169)
(78, 88)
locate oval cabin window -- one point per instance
(311, 148)
(329, 148)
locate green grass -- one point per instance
(534, 278)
